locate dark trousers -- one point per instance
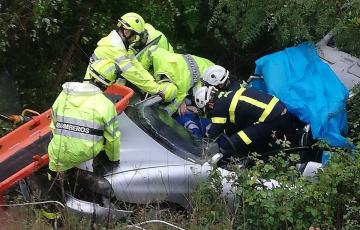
(75, 179)
(260, 135)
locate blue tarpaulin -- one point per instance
(310, 90)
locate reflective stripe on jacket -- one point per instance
(83, 124)
(112, 47)
(243, 108)
(178, 70)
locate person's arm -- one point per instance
(218, 120)
(133, 71)
(112, 134)
(215, 129)
(131, 68)
(180, 97)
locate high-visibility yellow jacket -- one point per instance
(162, 43)
(84, 122)
(182, 70)
(112, 47)
(154, 33)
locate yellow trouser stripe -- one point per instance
(233, 104)
(218, 120)
(268, 109)
(253, 102)
(244, 137)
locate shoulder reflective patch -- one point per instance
(234, 103)
(253, 102)
(268, 109)
(244, 137)
(218, 120)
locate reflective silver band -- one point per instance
(126, 67)
(193, 68)
(84, 123)
(84, 136)
(121, 58)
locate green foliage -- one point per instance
(330, 200)
(287, 22)
(354, 116)
(208, 206)
(348, 30)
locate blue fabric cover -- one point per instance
(310, 90)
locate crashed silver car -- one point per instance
(160, 161)
(346, 66)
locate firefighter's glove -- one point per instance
(225, 145)
(114, 164)
(162, 95)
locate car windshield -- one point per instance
(166, 131)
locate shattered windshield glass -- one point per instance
(166, 131)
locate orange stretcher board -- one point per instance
(24, 150)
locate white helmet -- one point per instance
(215, 75)
(203, 95)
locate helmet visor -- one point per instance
(122, 22)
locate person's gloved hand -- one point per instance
(224, 145)
(114, 164)
(162, 95)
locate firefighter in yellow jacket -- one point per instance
(115, 47)
(183, 70)
(151, 35)
(84, 121)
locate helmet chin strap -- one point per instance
(123, 37)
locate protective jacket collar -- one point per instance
(80, 88)
(113, 39)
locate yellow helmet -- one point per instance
(104, 71)
(169, 91)
(132, 21)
